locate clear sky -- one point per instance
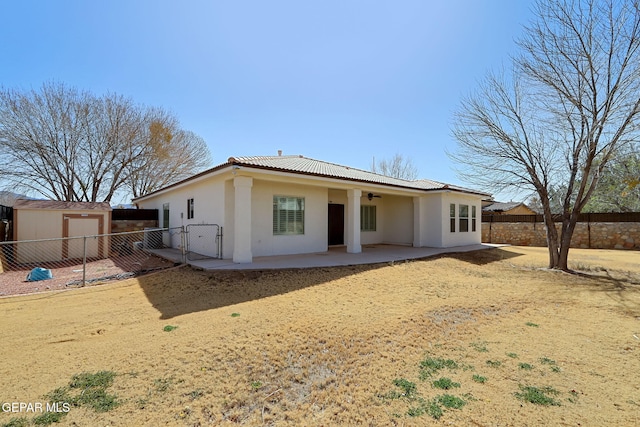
(342, 81)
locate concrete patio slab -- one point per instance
(335, 256)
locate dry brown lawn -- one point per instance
(325, 347)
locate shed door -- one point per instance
(83, 227)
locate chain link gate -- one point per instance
(203, 241)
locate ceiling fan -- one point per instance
(370, 196)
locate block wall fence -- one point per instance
(596, 235)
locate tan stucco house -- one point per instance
(279, 205)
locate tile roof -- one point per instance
(60, 205)
(307, 166)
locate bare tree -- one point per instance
(39, 137)
(168, 150)
(8, 198)
(65, 144)
(619, 185)
(572, 101)
(397, 167)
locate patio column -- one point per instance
(242, 220)
(419, 222)
(353, 221)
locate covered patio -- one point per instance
(335, 256)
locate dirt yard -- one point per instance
(477, 336)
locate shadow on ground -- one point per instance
(185, 290)
(482, 257)
(622, 287)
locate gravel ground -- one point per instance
(70, 275)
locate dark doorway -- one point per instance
(336, 224)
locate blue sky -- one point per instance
(341, 81)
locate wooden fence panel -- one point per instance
(134, 214)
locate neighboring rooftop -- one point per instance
(498, 207)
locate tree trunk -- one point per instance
(552, 242)
(564, 254)
(552, 233)
(568, 227)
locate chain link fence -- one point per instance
(79, 261)
(85, 260)
(203, 241)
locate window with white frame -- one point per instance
(452, 217)
(288, 215)
(473, 218)
(464, 218)
(190, 208)
(367, 218)
(165, 215)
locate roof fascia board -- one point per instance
(191, 180)
(345, 183)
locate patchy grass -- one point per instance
(480, 346)
(445, 384)
(161, 385)
(84, 390)
(479, 378)
(87, 380)
(538, 395)
(451, 402)
(48, 418)
(431, 366)
(17, 422)
(408, 388)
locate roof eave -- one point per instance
(320, 175)
(196, 177)
(235, 162)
